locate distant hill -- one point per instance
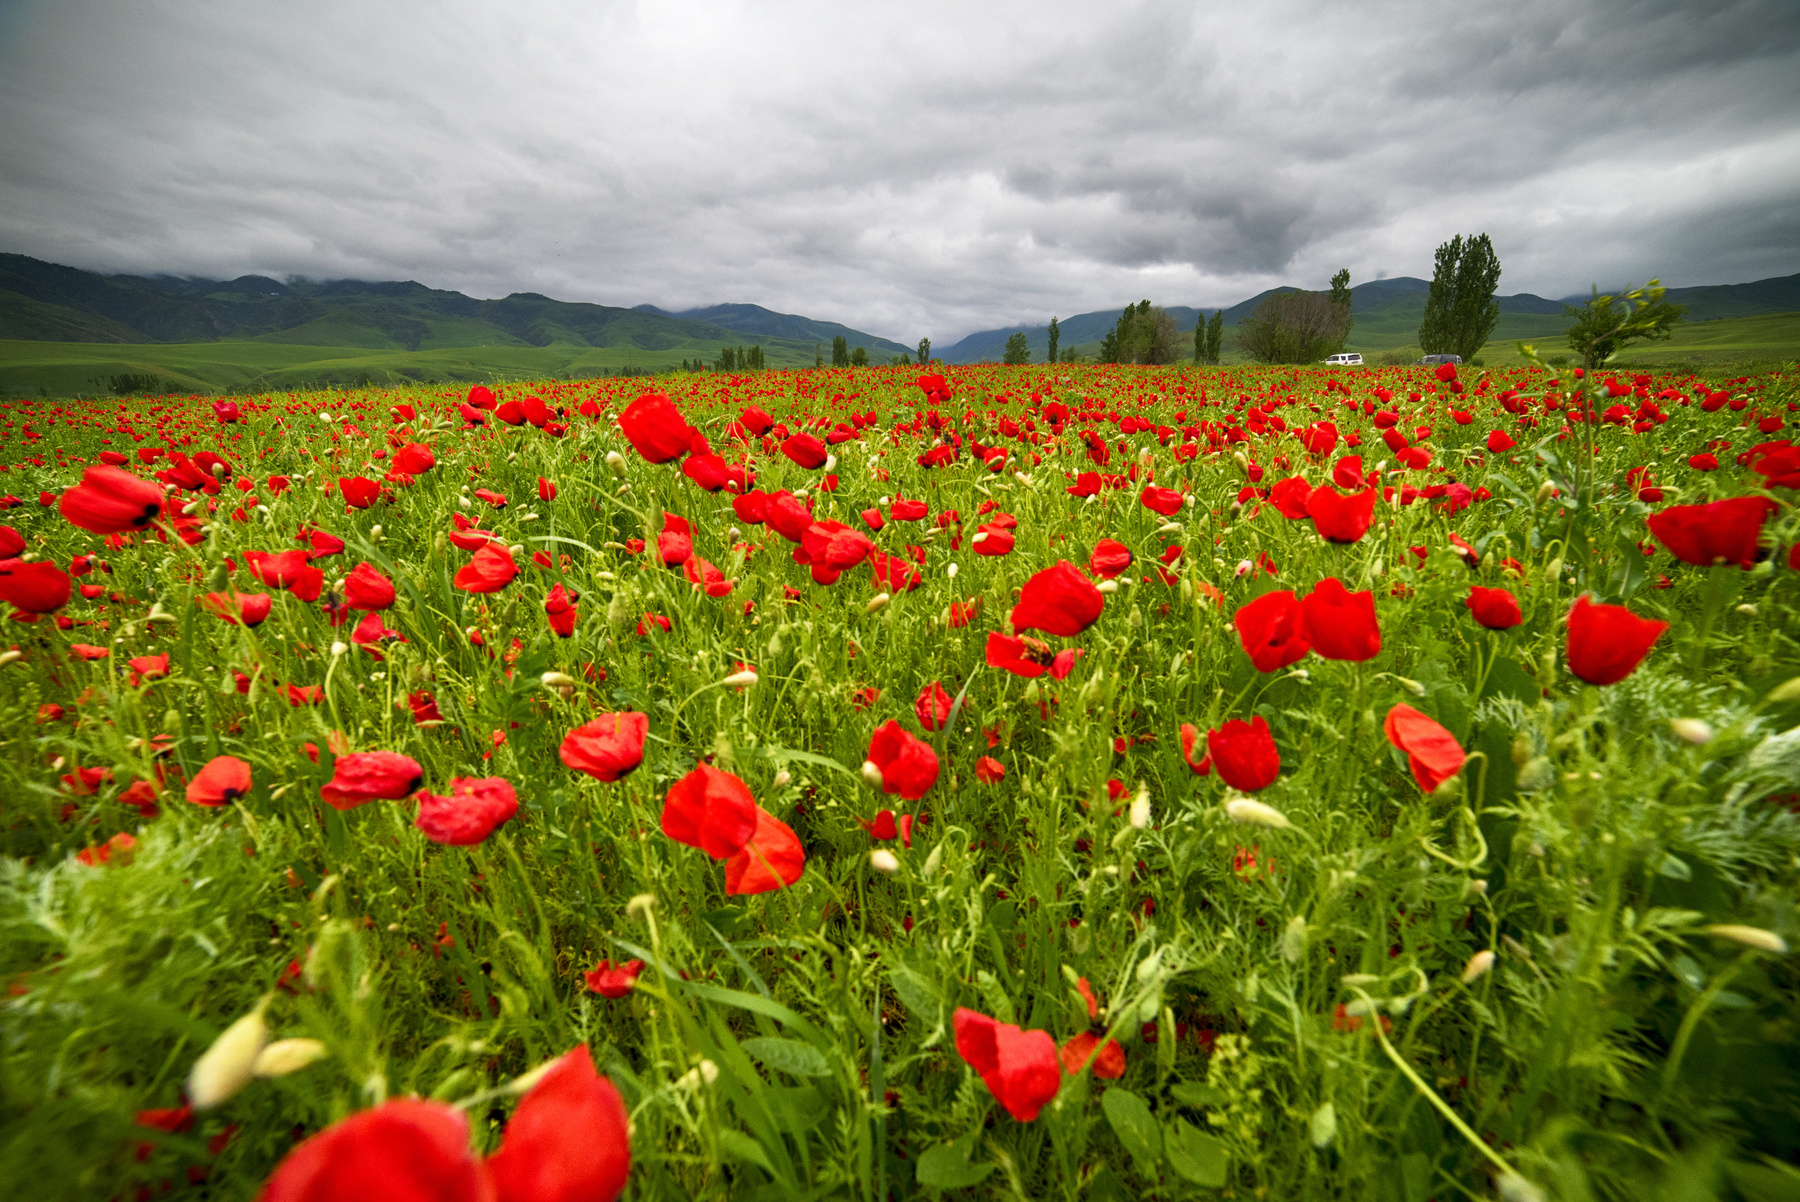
(48, 302)
(1387, 314)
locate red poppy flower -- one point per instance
(401, 1151)
(1723, 532)
(834, 545)
(656, 429)
(366, 776)
(1060, 600)
(1190, 739)
(1110, 557)
(111, 501)
(756, 420)
(239, 609)
(1433, 752)
(989, 771)
(474, 809)
(1290, 497)
(805, 450)
(908, 511)
(1022, 656)
(710, 810)
(1165, 501)
(489, 570)
(607, 748)
(676, 541)
(751, 508)
(1494, 608)
(414, 459)
(1338, 518)
(907, 764)
(223, 780)
(611, 980)
(1244, 754)
(560, 608)
(279, 569)
(788, 515)
(1340, 624)
(569, 1140)
(933, 706)
(772, 859)
(1020, 1068)
(359, 491)
(1607, 642)
(35, 588)
(1108, 1061)
(993, 540)
(88, 651)
(1272, 630)
(12, 543)
(1499, 442)
(366, 588)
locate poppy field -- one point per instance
(1017, 782)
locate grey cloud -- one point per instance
(958, 167)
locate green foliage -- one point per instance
(840, 351)
(1055, 337)
(859, 357)
(1017, 351)
(1144, 333)
(1460, 310)
(1605, 325)
(924, 351)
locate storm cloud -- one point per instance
(908, 169)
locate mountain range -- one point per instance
(48, 303)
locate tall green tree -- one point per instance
(924, 351)
(1200, 337)
(840, 352)
(859, 357)
(818, 355)
(1215, 335)
(1605, 325)
(1293, 326)
(1460, 311)
(1340, 296)
(1055, 337)
(1018, 350)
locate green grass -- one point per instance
(291, 360)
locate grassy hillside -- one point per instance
(84, 368)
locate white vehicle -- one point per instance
(1352, 359)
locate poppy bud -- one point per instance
(1788, 690)
(1139, 815)
(1545, 491)
(1478, 964)
(740, 680)
(1109, 587)
(1478, 887)
(1411, 686)
(1255, 813)
(876, 602)
(950, 571)
(783, 779)
(225, 1067)
(1691, 729)
(1323, 1125)
(616, 462)
(286, 1056)
(933, 862)
(12, 656)
(1553, 570)
(1755, 937)
(883, 860)
(1514, 1188)
(871, 773)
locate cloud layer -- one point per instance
(909, 169)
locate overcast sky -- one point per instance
(909, 169)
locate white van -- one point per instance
(1352, 359)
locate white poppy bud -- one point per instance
(1109, 587)
(286, 1056)
(1478, 965)
(783, 779)
(1691, 729)
(1139, 814)
(1255, 813)
(616, 462)
(950, 571)
(1293, 940)
(740, 680)
(883, 860)
(225, 1067)
(1756, 937)
(872, 773)
(709, 1072)
(1785, 692)
(876, 602)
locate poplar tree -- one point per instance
(1055, 337)
(1460, 310)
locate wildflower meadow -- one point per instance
(1060, 782)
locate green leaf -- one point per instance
(737, 1144)
(1196, 1094)
(1195, 1155)
(1131, 1121)
(914, 992)
(947, 1167)
(789, 1056)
